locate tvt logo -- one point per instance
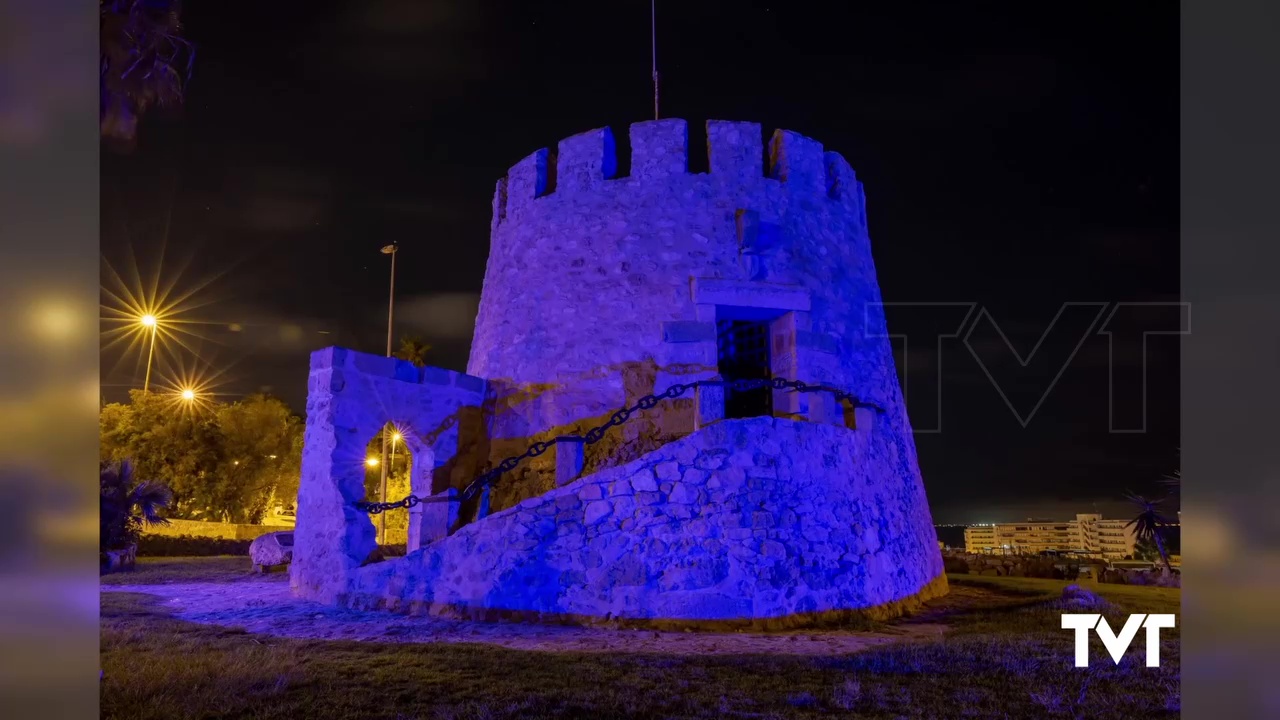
(1082, 623)
(1024, 378)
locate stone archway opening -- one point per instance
(351, 397)
(399, 463)
(389, 476)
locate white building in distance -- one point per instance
(1088, 534)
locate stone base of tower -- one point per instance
(843, 619)
(762, 523)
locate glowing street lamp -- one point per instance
(188, 395)
(148, 320)
(371, 462)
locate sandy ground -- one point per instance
(265, 606)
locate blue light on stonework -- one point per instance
(600, 290)
(783, 549)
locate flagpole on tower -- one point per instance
(653, 39)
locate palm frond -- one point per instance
(144, 62)
(151, 497)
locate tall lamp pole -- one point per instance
(150, 321)
(653, 39)
(391, 306)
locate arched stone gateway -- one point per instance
(351, 396)
(760, 508)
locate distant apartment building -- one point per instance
(1108, 538)
(980, 538)
(1088, 534)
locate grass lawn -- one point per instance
(164, 570)
(1005, 656)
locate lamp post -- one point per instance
(391, 306)
(391, 300)
(387, 469)
(150, 321)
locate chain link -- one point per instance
(596, 434)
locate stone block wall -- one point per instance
(350, 397)
(763, 522)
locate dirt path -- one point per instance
(266, 606)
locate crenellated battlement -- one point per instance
(736, 155)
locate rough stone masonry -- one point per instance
(603, 288)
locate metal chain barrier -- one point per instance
(596, 434)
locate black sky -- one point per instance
(1016, 157)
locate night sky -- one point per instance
(1016, 158)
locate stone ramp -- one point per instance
(761, 523)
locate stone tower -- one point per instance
(721, 508)
(600, 289)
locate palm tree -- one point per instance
(1147, 526)
(127, 506)
(145, 63)
(1144, 550)
(413, 350)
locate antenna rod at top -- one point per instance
(653, 38)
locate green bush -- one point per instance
(189, 546)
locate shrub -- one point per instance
(1113, 576)
(126, 505)
(189, 546)
(1042, 568)
(955, 565)
(1139, 577)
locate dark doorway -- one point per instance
(743, 354)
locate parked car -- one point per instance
(281, 516)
